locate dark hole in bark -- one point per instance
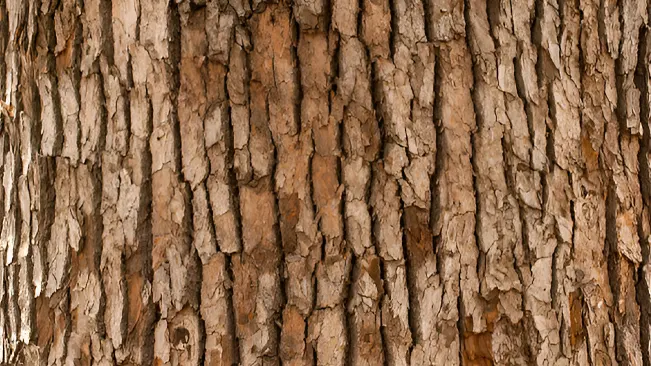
(181, 335)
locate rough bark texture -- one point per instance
(325, 182)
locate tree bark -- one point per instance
(312, 182)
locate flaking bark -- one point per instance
(342, 182)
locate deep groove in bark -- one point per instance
(643, 291)
(235, 202)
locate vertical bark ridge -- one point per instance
(49, 135)
(118, 225)
(463, 322)
(216, 306)
(4, 40)
(44, 198)
(456, 248)
(174, 289)
(557, 36)
(205, 44)
(241, 172)
(257, 292)
(67, 52)
(594, 213)
(27, 189)
(5, 118)
(66, 228)
(10, 235)
(387, 234)
(499, 227)
(361, 146)
(50, 138)
(405, 91)
(87, 342)
(626, 255)
(353, 105)
(4, 349)
(328, 330)
(385, 202)
(530, 176)
(59, 262)
(302, 241)
(126, 171)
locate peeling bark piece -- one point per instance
(46, 83)
(67, 51)
(220, 345)
(376, 27)
(192, 95)
(327, 333)
(293, 348)
(445, 20)
(86, 294)
(91, 117)
(256, 289)
(66, 229)
(221, 190)
(344, 17)
(310, 13)
(366, 346)
(237, 86)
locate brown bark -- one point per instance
(340, 182)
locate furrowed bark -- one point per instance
(324, 182)
(87, 341)
(126, 171)
(594, 215)
(627, 253)
(257, 291)
(543, 328)
(499, 231)
(205, 40)
(454, 212)
(174, 262)
(10, 236)
(360, 138)
(48, 138)
(557, 35)
(302, 242)
(366, 286)
(409, 158)
(327, 326)
(385, 202)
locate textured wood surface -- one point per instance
(325, 182)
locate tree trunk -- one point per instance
(325, 182)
